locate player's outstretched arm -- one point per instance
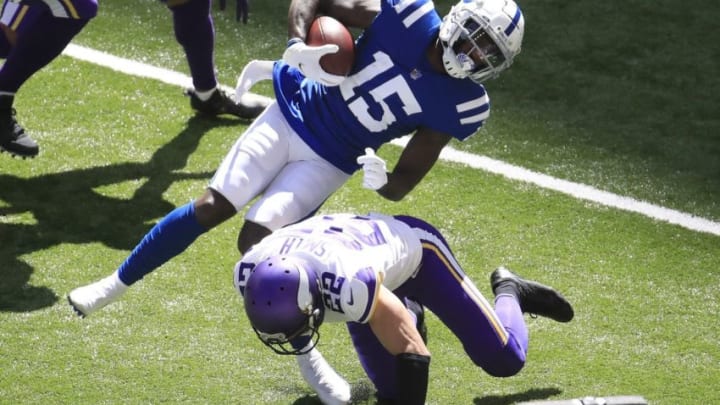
(416, 160)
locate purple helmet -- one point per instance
(283, 303)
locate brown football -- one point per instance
(327, 30)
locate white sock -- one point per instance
(205, 95)
(115, 283)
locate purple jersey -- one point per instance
(391, 92)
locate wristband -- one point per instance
(412, 378)
(293, 41)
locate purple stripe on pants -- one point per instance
(75, 9)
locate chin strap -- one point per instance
(412, 378)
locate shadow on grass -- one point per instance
(63, 208)
(361, 394)
(534, 394)
(365, 393)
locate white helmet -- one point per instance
(492, 27)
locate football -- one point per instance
(327, 30)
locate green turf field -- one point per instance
(620, 96)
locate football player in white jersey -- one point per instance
(414, 73)
(365, 270)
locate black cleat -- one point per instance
(417, 308)
(13, 138)
(534, 298)
(220, 103)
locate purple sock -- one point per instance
(194, 30)
(4, 46)
(508, 311)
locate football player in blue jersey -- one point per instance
(414, 73)
(365, 270)
(37, 31)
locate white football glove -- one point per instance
(253, 72)
(374, 170)
(327, 383)
(307, 60)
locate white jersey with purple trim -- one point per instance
(75, 9)
(391, 91)
(353, 255)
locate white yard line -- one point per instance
(580, 191)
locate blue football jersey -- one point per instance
(391, 91)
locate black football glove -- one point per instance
(240, 12)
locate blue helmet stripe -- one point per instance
(513, 24)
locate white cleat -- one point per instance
(329, 386)
(88, 299)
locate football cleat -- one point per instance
(220, 103)
(88, 299)
(534, 298)
(13, 138)
(417, 308)
(329, 386)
